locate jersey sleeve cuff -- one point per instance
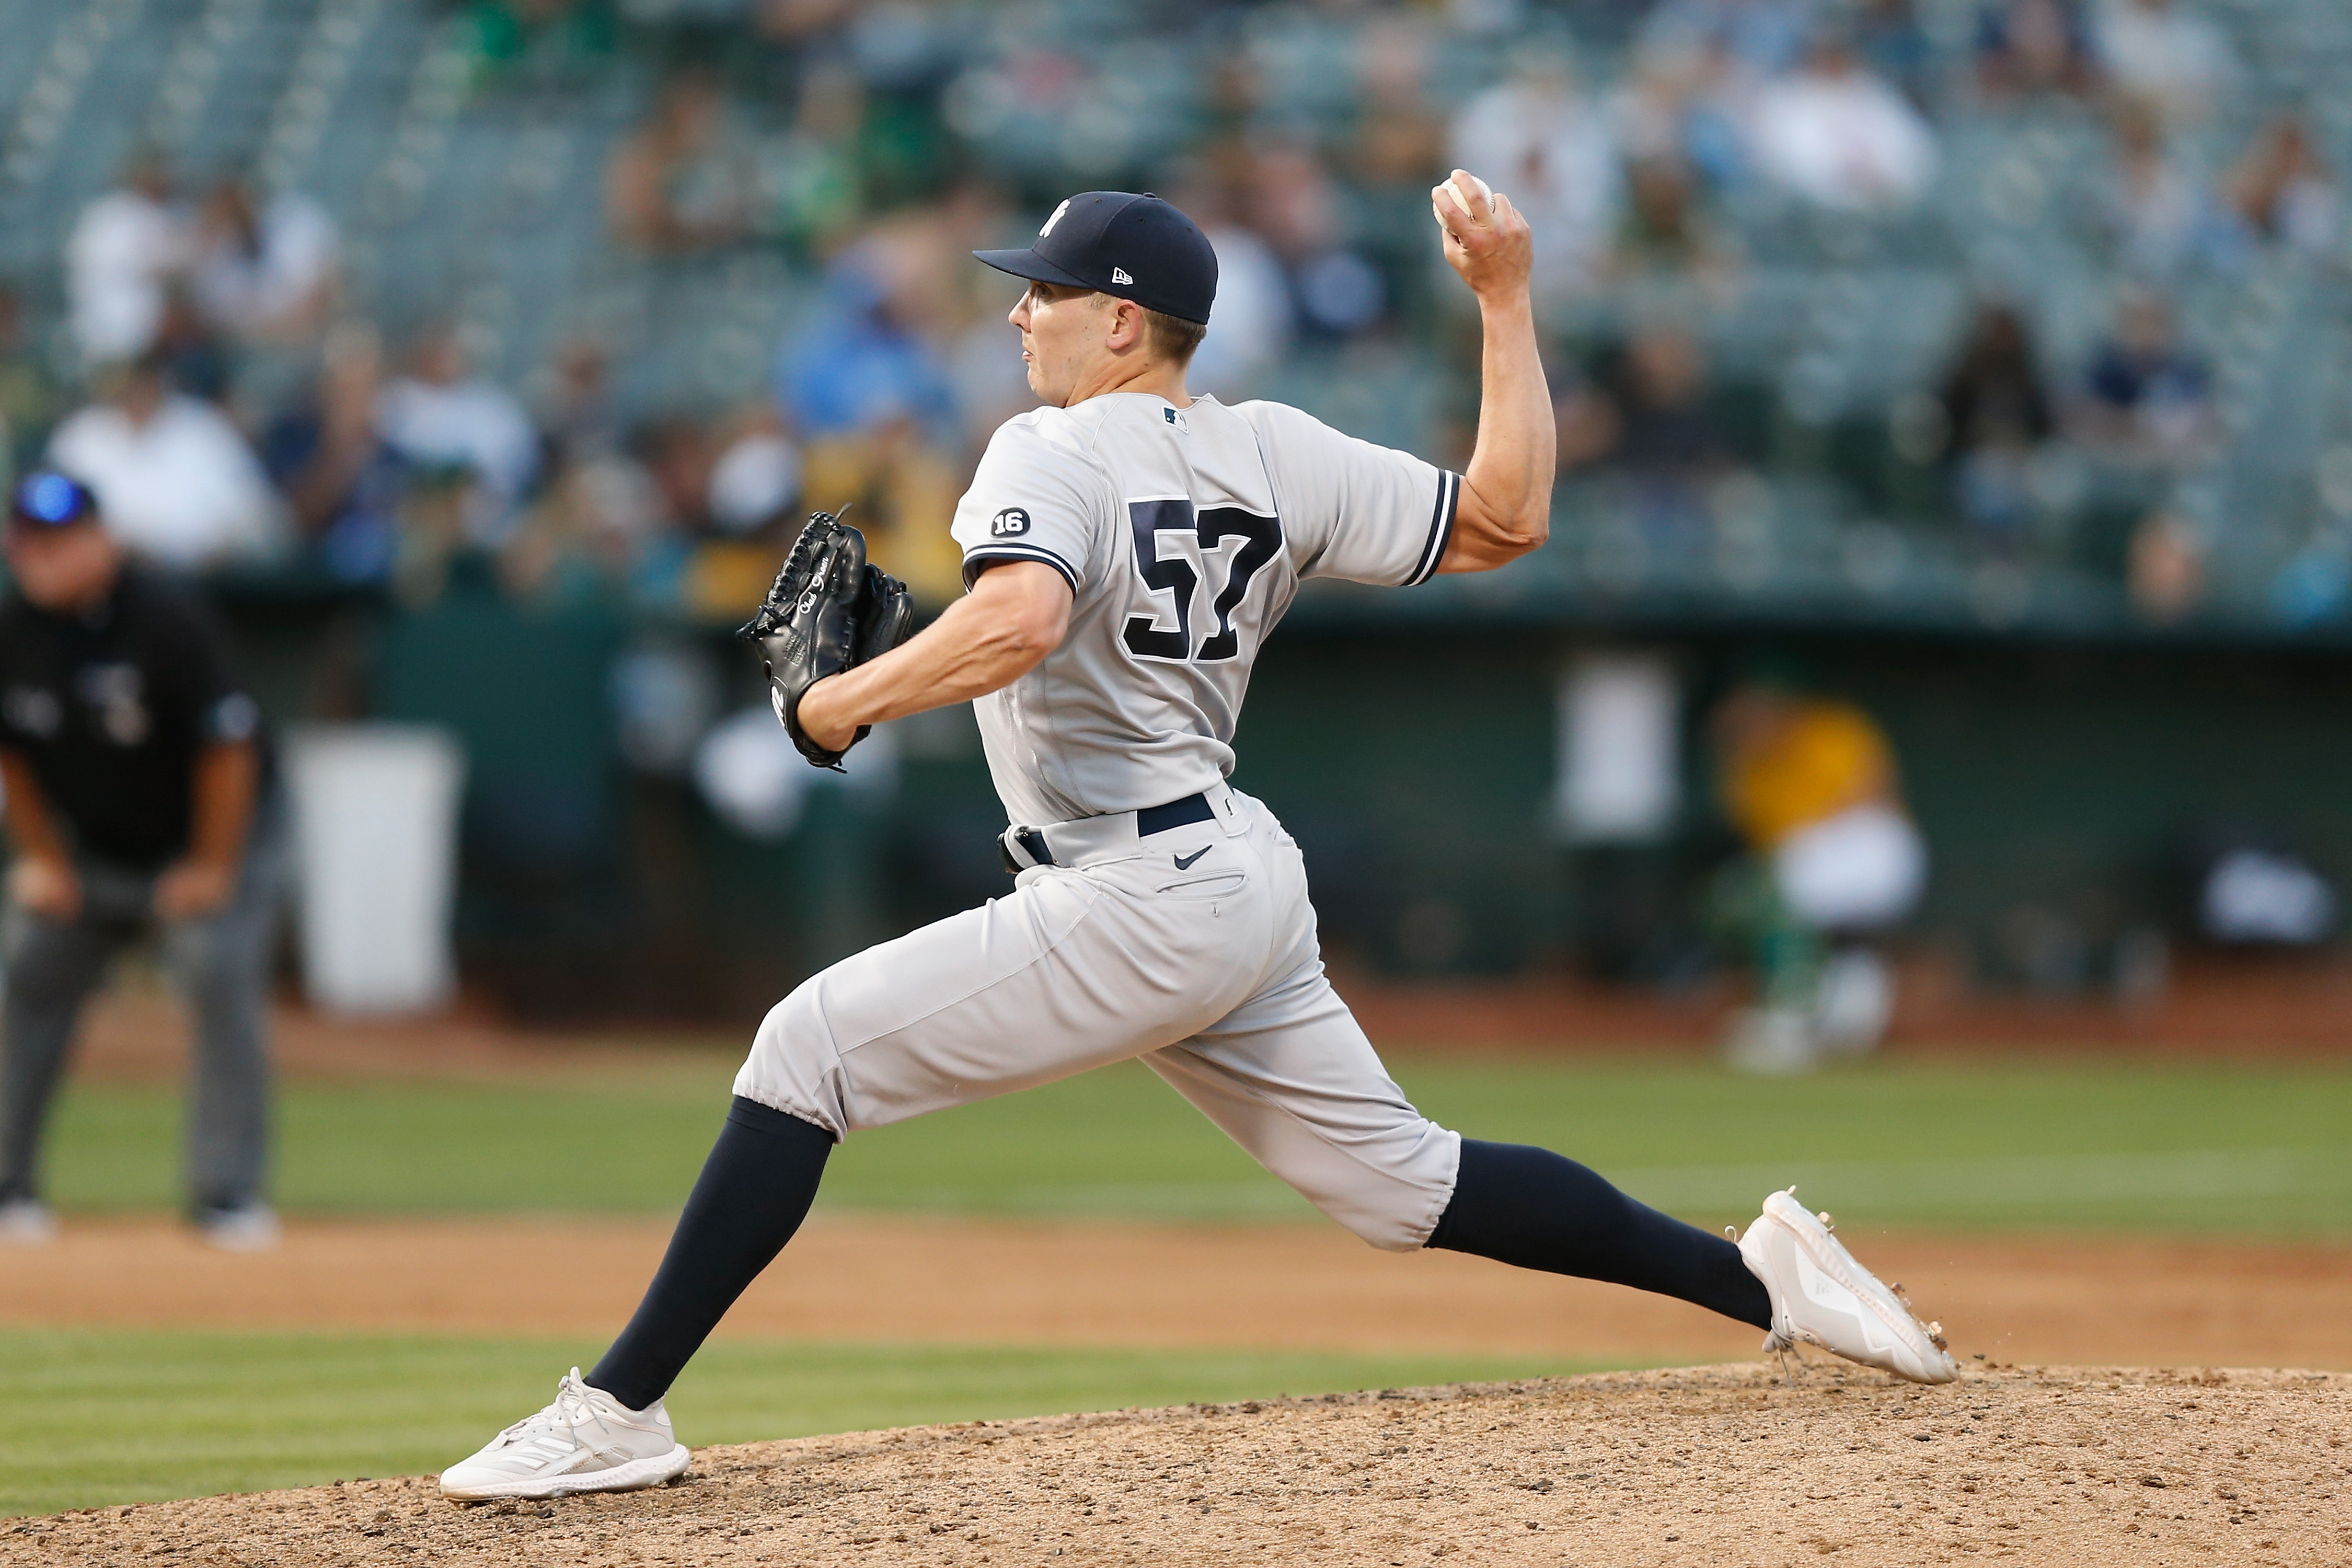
(988, 554)
(1441, 528)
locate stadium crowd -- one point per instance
(230, 404)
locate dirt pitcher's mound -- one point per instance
(1715, 1466)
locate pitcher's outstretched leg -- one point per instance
(1536, 1209)
(608, 1432)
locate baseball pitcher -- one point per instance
(1129, 548)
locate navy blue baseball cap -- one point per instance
(47, 499)
(1115, 242)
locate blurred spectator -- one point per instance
(2164, 570)
(1645, 413)
(685, 180)
(199, 361)
(2280, 191)
(1665, 235)
(1253, 324)
(264, 270)
(556, 36)
(2029, 47)
(859, 363)
(1688, 106)
(582, 417)
(755, 478)
(440, 416)
(2154, 214)
(30, 397)
(1539, 140)
(1290, 199)
(1810, 784)
(1398, 140)
(175, 480)
(866, 384)
(2146, 397)
(598, 528)
(1996, 415)
(1392, 153)
(1890, 41)
(2160, 51)
(905, 488)
(125, 251)
(810, 184)
(1756, 37)
(1841, 137)
(341, 481)
(1646, 417)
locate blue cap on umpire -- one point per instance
(47, 499)
(1115, 242)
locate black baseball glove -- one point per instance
(827, 611)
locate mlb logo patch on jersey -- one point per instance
(1005, 524)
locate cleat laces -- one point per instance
(572, 1414)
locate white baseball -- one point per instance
(1454, 191)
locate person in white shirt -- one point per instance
(264, 269)
(175, 478)
(1836, 135)
(2174, 60)
(442, 416)
(1556, 152)
(123, 252)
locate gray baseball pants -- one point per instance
(1194, 949)
(219, 962)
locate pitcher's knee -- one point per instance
(1390, 1190)
(793, 1065)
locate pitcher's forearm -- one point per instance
(1505, 506)
(1511, 467)
(951, 661)
(1014, 616)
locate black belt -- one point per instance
(1182, 813)
(1151, 819)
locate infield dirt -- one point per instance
(1715, 1466)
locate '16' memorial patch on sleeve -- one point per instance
(1006, 524)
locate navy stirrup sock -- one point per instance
(753, 1193)
(1534, 1209)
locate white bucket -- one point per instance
(375, 840)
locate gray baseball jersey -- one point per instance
(1184, 534)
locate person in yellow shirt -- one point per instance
(1834, 860)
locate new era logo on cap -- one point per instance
(1118, 275)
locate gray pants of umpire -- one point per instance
(220, 964)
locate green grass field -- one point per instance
(2230, 1148)
(91, 1417)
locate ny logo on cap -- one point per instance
(1118, 275)
(1055, 219)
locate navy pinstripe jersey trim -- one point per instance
(987, 552)
(1441, 528)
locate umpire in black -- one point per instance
(139, 800)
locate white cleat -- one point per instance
(586, 1441)
(27, 1222)
(248, 1227)
(1821, 1296)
